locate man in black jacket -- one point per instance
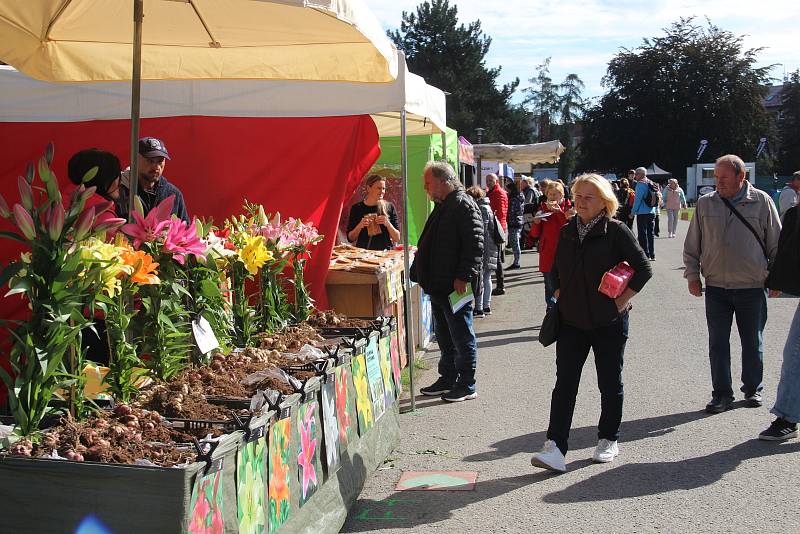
(448, 259)
(153, 187)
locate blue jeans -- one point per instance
(549, 289)
(513, 240)
(483, 293)
(572, 349)
(750, 307)
(787, 401)
(457, 343)
(645, 232)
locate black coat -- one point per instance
(579, 267)
(451, 245)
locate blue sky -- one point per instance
(582, 35)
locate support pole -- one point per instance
(407, 316)
(136, 101)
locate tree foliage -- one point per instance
(789, 126)
(695, 82)
(452, 57)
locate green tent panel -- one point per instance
(421, 150)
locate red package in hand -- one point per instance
(615, 281)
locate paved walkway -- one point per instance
(679, 470)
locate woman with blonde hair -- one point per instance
(591, 244)
(554, 213)
(373, 221)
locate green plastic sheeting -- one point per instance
(421, 150)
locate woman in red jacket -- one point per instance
(547, 223)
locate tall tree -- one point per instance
(695, 82)
(789, 126)
(452, 57)
(544, 100)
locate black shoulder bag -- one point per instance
(784, 270)
(548, 333)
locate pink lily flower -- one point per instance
(182, 240)
(149, 228)
(308, 446)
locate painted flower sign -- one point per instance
(251, 470)
(329, 426)
(344, 409)
(206, 505)
(279, 454)
(394, 352)
(386, 370)
(309, 470)
(363, 399)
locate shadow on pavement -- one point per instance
(581, 438)
(641, 479)
(407, 509)
(491, 333)
(506, 341)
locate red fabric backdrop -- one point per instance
(302, 167)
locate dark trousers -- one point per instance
(572, 349)
(750, 308)
(645, 232)
(657, 225)
(457, 342)
(499, 281)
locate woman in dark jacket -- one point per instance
(590, 245)
(483, 287)
(516, 204)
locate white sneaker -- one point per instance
(606, 451)
(550, 457)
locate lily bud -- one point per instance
(4, 211)
(25, 193)
(84, 223)
(108, 225)
(102, 206)
(29, 172)
(55, 223)
(138, 206)
(49, 152)
(262, 217)
(87, 193)
(24, 222)
(44, 171)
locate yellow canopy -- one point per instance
(91, 40)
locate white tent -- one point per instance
(548, 152)
(28, 100)
(406, 106)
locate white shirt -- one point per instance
(788, 198)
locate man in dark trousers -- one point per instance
(448, 259)
(153, 187)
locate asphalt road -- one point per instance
(679, 470)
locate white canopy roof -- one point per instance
(548, 152)
(27, 100)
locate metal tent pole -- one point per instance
(406, 260)
(136, 101)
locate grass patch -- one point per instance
(419, 365)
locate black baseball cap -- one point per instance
(151, 147)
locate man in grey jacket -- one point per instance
(734, 261)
